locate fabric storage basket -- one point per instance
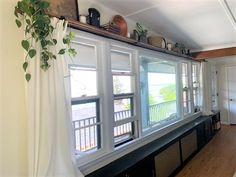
(157, 41)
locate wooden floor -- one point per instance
(216, 159)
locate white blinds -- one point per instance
(86, 55)
(120, 61)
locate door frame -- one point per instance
(227, 79)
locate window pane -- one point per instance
(186, 89)
(121, 84)
(195, 75)
(187, 106)
(123, 132)
(185, 75)
(83, 82)
(158, 91)
(122, 109)
(195, 80)
(86, 126)
(86, 55)
(120, 62)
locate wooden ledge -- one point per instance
(101, 32)
(214, 53)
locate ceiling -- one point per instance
(198, 24)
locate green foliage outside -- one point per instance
(169, 92)
(162, 111)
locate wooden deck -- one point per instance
(216, 159)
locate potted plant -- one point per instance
(32, 17)
(142, 33)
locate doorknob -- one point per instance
(230, 99)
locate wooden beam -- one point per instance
(214, 53)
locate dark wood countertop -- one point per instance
(145, 151)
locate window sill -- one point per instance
(101, 159)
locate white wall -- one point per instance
(222, 64)
(106, 15)
(13, 145)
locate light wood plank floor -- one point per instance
(216, 159)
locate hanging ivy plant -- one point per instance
(37, 27)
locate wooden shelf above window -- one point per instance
(98, 31)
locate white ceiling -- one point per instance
(198, 24)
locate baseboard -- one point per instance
(225, 123)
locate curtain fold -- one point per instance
(205, 89)
(48, 103)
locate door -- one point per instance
(231, 73)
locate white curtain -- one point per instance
(48, 103)
(205, 89)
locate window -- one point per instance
(119, 96)
(158, 91)
(124, 118)
(196, 86)
(85, 99)
(186, 89)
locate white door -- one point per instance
(231, 73)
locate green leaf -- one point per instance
(44, 4)
(72, 34)
(18, 23)
(28, 21)
(54, 41)
(62, 51)
(32, 53)
(25, 65)
(24, 7)
(64, 41)
(43, 43)
(72, 52)
(34, 35)
(51, 28)
(27, 77)
(54, 56)
(25, 44)
(16, 11)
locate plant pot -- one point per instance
(143, 39)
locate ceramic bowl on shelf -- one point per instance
(120, 21)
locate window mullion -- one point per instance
(136, 84)
(108, 108)
(179, 91)
(191, 86)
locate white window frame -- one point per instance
(174, 60)
(108, 152)
(189, 91)
(95, 41)
(132, 96)
(198, 87)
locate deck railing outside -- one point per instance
(161, 111)
(86, 131)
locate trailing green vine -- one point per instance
(37, 27)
